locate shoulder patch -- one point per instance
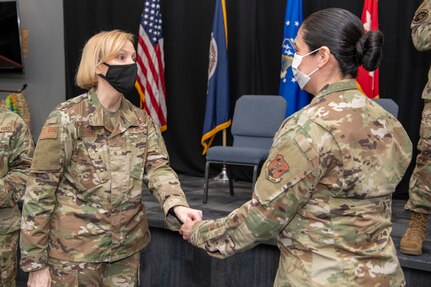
(52, 120)
(420, 16)
(276, 168)
(50, 132)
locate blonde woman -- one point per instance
(83, 222)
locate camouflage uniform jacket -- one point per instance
(83, 198)
(325, 194)
(421, 36)
(420, 184)
(16, 151)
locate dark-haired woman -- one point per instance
(325, 190)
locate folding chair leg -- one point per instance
(255, 168)
(205, 196)
(229, 174)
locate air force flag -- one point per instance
(289, 89)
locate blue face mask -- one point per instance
(121, 77)
(301, 78)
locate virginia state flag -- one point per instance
(217, 106)
(289, 89)
(369, 81)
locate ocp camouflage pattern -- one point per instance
(325, 194)
(16, 151)
(83, 201)
(122, 273)
(420, 181)
(8, 258)
(421, 36)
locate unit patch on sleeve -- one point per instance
(276, 168)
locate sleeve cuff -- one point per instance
(171, 221)
(195, 239)
(30, 264)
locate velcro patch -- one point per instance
(87, 132)
(420, 16)
(50, 132)
(276, 168)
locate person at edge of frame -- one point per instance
(16, 152)
(419, 202)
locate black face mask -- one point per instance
(121, 77)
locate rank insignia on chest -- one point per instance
(276, 168)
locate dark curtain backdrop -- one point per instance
(255, 32)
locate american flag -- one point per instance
(150, 81)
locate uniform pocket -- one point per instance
(63, 274)
(8, 260)
(137, 143)
(87, 172)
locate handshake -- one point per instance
(187, 216)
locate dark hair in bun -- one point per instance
(343, 33)
(369, 50)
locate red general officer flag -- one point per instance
(369, 81)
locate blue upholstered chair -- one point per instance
(389, 105)
(255, 121)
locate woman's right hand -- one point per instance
(40, 278)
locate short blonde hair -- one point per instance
(100, 48)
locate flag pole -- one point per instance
(217, 107)
(222, 176)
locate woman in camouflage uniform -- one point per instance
(16, 151)
(325, 190)
(83, 222)
(420, 182)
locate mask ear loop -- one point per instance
(309, 75)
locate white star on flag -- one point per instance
(367, 24)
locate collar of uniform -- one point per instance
(96, 110)
(126, 115)
(336, 87)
